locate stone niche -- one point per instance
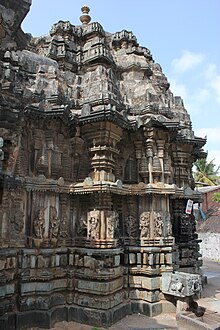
(96, 162)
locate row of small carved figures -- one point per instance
(59, 228)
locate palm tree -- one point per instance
(205, 172)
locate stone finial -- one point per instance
(85, 18)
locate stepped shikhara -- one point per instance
(96, 173)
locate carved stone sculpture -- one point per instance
(180, 284)
(17, 221)
(54, 223)
(64, 230)
(93, 224)
(158, 224)
(168, 224)
(39, 224)
(145, 225)
(131, 226)
(112, 224)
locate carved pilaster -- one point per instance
(168, 166)
(103, 138)
(64, 231)
(149, 154)
(50, 147)
(160, 148)
(138, 152)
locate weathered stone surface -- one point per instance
(12, 14)
(96, 162)
(181, 284)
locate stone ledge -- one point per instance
(189, 321)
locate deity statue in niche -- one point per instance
(158, 224)
(112, 224)
(130, 225)
(169, 229)
(64, 226)
(39, 224)
(17, 221)
(82, 225)
(54, 223)
(145, 224)
(93, 224)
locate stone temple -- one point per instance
(96, 176)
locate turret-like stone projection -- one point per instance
(96, 172)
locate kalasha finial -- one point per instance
(85, 18)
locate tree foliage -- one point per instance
(216, 197)
(205, 172)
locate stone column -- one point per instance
(50, 147)
(160, 146)
(138, 151)
(149, 153)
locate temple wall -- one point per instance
(209, 247)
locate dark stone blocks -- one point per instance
(59, 314)
(8, 322)
(148, 309)
(99, 317)
(33, 319)
(46, 319)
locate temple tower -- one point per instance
(96, 173)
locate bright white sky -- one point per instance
(182, 35)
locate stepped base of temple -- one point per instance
(94, 317)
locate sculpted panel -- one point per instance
(145, 225)
(158, 224)
(17, 221)
(93, 224)
(64, 230)
(54, 223)
(112, 224)
(131, 226)
(39, 224)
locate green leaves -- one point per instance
(216, 197)
(205, 172)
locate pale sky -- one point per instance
(182, 35)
